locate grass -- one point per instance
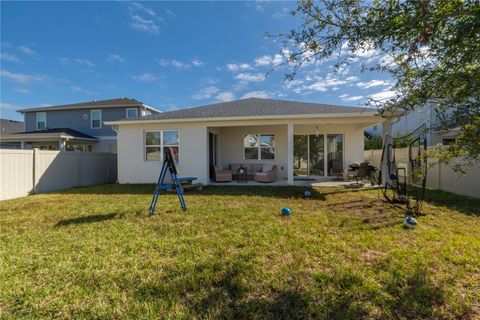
(94, 253)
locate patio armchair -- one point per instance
(222, 175)
(267, 174)
(337, 169)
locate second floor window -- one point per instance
(131, 113)
(41, 120)
(96, 119)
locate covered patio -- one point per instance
(303, 152)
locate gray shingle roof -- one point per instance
(118, 102)
(253, 107)
(10, 126)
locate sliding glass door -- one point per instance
(300, 155)
(318, 155)
(334, 154)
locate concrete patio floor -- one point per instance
(301, 183)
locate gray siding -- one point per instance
(74, 119)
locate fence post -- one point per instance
(34, 171)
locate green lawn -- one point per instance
(95, 253)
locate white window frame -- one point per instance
(91, 119)
(259, 154)
(126, 112)
(37, 122)
(161, 145)
(146, 112)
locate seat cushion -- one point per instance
(267, 167)
(261, 174)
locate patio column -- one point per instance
(61, 145)
(290, 153)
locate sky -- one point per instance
(169, 55)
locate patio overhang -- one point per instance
(51, 136)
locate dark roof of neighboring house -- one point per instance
(119, 102)
(253, 107)
(10, 126)
(52, 133)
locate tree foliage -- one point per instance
(434, 50)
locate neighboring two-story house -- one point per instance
(76, 127)
(414, 119)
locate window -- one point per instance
(113, 148)
(146, 112)
(79, 147)
(96, 119)
(41, 120)
(259, 146)
(155, 141)
(132, 113)
(375, 128)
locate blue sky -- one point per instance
(169, 55)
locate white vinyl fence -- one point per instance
(24, 172)
(439, 175)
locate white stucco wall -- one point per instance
(193, 139)
(132, 166)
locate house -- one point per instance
(8, 126)
(302, 140)
(76, 127)
(414, 119)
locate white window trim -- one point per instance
(126, 112)
(259, 155)
(161, 145)
(91, 119)
(36, 120)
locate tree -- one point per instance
(434, 51)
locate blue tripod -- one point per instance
(168, 165)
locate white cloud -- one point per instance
(140, 7)
(256, 94)
(383, 95)
(147, 77)
(344, 95)
(238, 66)
(179, 64)
(169, 13)
(80, 90)
(225, 96)
(142, 24)
(78, 61)
(27, 50)
(266, 60)
(197, 62)
(372, 83)
(9, 57)
(6, 105)
(250, 77)
(23, 90)
(353, 98)
(280, 14)
(23, 77)
(257, 5)
(113, 57)
(206, 93)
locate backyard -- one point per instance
(95, 253)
